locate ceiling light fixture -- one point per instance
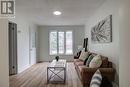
(57, 13)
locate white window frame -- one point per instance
(64, 42)
(72, 42)
(49, 42)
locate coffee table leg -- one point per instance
(47, 76)
(56, 74)
(64, 75)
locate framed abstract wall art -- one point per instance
(102, 32)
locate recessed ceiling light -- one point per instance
(57, 13)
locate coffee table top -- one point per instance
(61, 63)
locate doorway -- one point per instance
(32, 45)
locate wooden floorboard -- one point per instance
(36, 76)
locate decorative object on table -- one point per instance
(57, 58)
(102, 32)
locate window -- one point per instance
(61, 42)
(53, 42)
(69, 42)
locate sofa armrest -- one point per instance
(87, 73)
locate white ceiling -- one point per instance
(74, 12)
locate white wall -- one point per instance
(124, 63)
(4, 67)
(23, 26)
(111, 50)
(43, 31)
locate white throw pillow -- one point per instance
(95, 62)
(96, 79)
(83, 55)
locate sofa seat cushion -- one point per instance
(78, 60)
(81, 63)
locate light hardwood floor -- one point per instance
(35, 76)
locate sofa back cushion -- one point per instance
(105, 62)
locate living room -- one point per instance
(39, 29)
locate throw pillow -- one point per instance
(83, 55)
(96, 79)
(85, 61)
(89, 60)
(96, 62)
(106, 82)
